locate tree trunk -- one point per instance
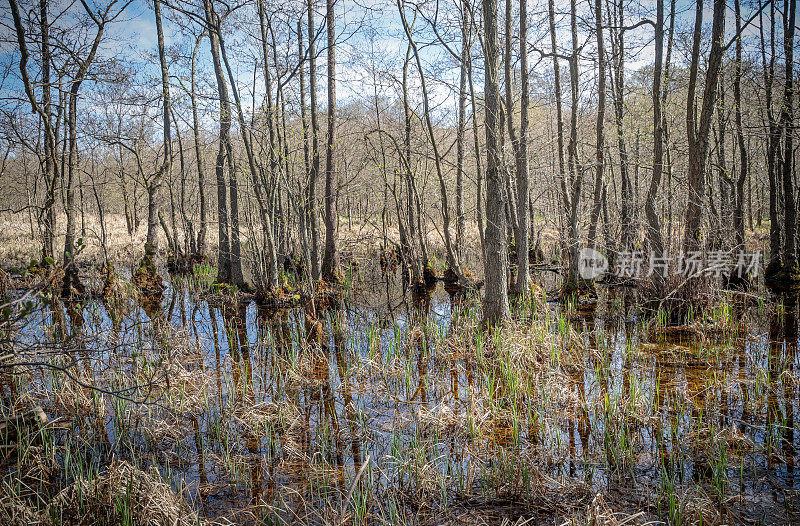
(667, 77)
(47, 217)
(775, 263)
(618, 95)
(738, 211)
(71, 282)
(316, 268)
(523, 264)
(654, 239)
(698, 136)
(572, 283)
(266, 223)
(479, 201)
(600, 137)
(495, 302)
(512, 219)
(201, 178)
(224, 252)
(452, 263)
(460, 132)
(559, 109)
(787, 123)
(721, 230)
(154, 188)
(330, 260)
(308, 207)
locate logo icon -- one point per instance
(591, 264)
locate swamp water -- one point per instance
(408, 412)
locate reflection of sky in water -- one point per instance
(628, 363)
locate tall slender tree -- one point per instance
(698, 127)
(654, 237)
(453, 268)
(790, 267)
(330, 260)
(738, 209)
(617, 75)
(523, 182)
(461, 131)
(71, 283)
(201, 178)
(224, 270)
(316, 262)
(47, 216)
(573, 282)
(154, 188)
(775, 263)
(600, 125)
(495, 301)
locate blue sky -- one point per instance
(133, 38)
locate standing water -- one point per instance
(404, 411)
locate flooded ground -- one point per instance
(407, 412)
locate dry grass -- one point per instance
(549, 420)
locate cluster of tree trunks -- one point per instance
(259, 187)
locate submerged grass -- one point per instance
(231, 414)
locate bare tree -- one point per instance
(523, 184)
(617, 75)
(316, 271)
(47, 216)
(154, 189)
(790, 267)
(654, 237)
(600, 131)
(698, 129)
(495, 301)
(738, 211)
(461, 131)
(330, 259)
(573, 283)
(100, 19)
(775, 263)
(453, 267)
(224, 263)
(201, 179)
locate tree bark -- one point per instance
(224, 273)
(452, 262)
(698, 136)
(654, 239)
(738, 211)
(495, 301)
(600, 131)
(330, 260)
(201, 178)
(787, 123)
(523, 263)
(316, 263)
(154, 188)
(775, 263)
(460, 132)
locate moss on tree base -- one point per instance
(147, 279)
